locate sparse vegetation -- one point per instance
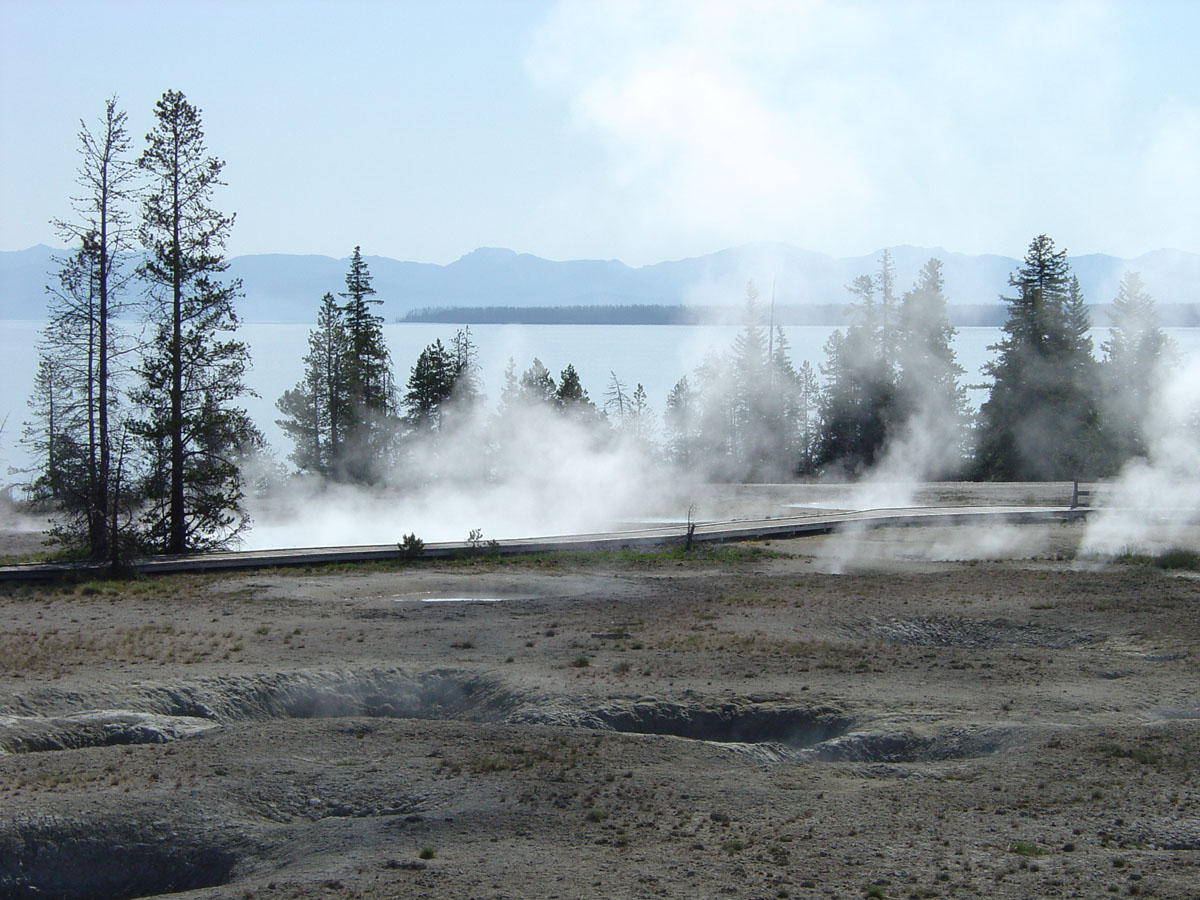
(740, 645)
(411, 547)
(58, 650)
(1025, 848)
(1171, 558)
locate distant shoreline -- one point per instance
(990, 315)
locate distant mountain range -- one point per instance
(288, 288)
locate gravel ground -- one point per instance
(951, 716)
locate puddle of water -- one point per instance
(650, 521)
(816, 504)
(448, 599)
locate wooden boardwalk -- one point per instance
(774, 528)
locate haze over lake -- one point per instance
(654, 356)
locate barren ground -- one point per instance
(735, 724)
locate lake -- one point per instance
(656, 356)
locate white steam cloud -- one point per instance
(846, 126)
(927, 448)
(531, 472)
(1154, 503)
(859, 549)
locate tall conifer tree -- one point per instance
(82, 344)
(1040, 420)
(315, 410)
(929, 400)
(193, 371)
(369, 387)
(1136, 354)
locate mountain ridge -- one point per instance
(281, 287)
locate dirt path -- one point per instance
(743, 724)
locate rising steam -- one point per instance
(1154, 504)
(531, 471)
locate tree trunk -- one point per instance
(177, 539)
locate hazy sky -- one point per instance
(637, 131)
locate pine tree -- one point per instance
(468, 388)
(851, 434)
(50, 436)
(193, 372)
(930, 402)
(571, 397)
(1136, 354)
(787, 411)
(369, 389)
(640, 421)
(680, 421)
(1040, 420)
(510, 393)
(926, 355)
(889, 338)
(536, 385)
(751, 418)
(82, 344)
(430, 386)
(808, 393)
(301, 408)
(315, 410)
(857, 403)
(715, 401)
(863, 309)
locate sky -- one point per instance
(639, 131)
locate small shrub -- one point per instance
(580, 662)
(597, 814)
(478, 547)
(427, 853)
(411, 547)
(1138, 754)
(1024, 848)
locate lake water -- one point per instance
(656, 356)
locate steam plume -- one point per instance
(1154, 503)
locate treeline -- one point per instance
(888, 392)
(648, 314)
(963, 315)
